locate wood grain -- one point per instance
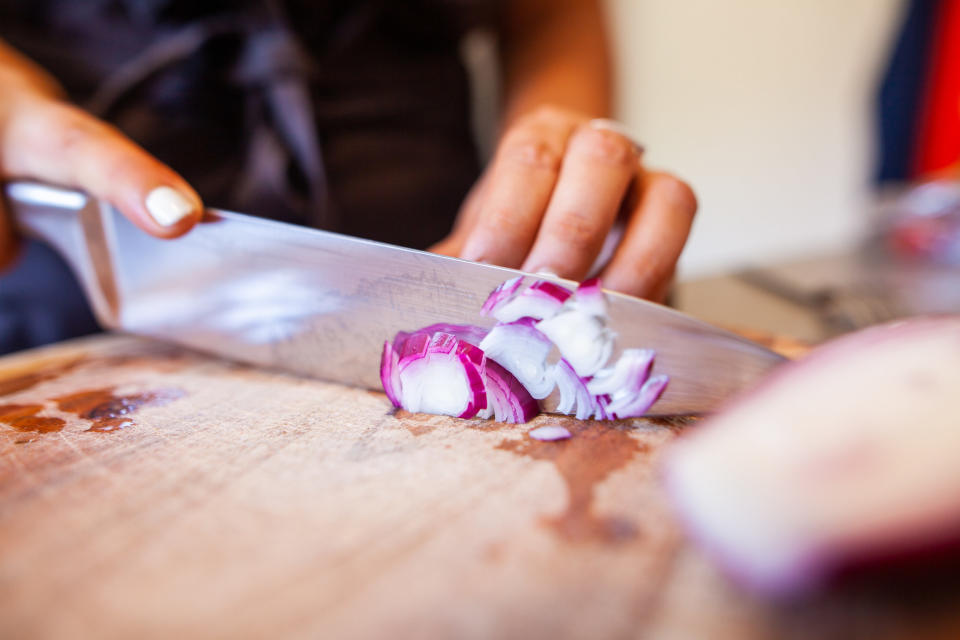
(224, 501)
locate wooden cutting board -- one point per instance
(146, 491)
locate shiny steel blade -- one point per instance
(321, 304)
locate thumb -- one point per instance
(61, 144)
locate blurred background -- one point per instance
(766, 108)
(771, 110)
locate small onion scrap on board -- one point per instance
(470, 372)
(844, 461)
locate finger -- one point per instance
(644, 262)
(597, 169)
(58, 143)
(521, 179)
(8, 240)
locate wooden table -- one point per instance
(146, 491)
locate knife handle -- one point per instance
(76, 226)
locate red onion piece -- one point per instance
(579, 330)
(507, 399)
(466, 332)
(549, 433)
(591, 299)
(442, 374)
(502, 294)
(522, 350)
(575, 399)
(628, 374)
(507, 303)
(634, 404)
(390, 373)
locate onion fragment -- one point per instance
(522, 350)
(634, 403)
(579, 330)
(540, 300)
(504, 292)
(441, 374)
(507, 399)
(845, 460)
(390, 373)
(575, 398)
(549, 433)
(626, 390)
(466, 332)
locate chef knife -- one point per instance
(321, 304)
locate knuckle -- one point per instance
(531, 151)
(676, 192)
(71, 129)
(550, 114)
(503, 221)
(577, 231)
(606, 146)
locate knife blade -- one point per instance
(321, 304)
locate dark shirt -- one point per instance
(349, 115)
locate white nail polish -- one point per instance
(167, 206)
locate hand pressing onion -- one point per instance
(466, 371)
(845, 460)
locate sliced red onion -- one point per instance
(628, 374)
(591, 298)
(540, 300)
(466, 371)
(633, 405)
(600, 408)
(502, 294)
(579, 330)
(466, 332)
(575, 399)
(522, 350)
(442, 374)
(390, 373)
(549, 433)
(507, 399)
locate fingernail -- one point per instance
(168, 206)
(606, 124)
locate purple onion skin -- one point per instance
(523, 407)
(552, 290)
(583, 396)
(914, 544)
(504, 291)
(389, 373)
(469, 333)
(646, 397)
(473, 362)
(548, 295)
